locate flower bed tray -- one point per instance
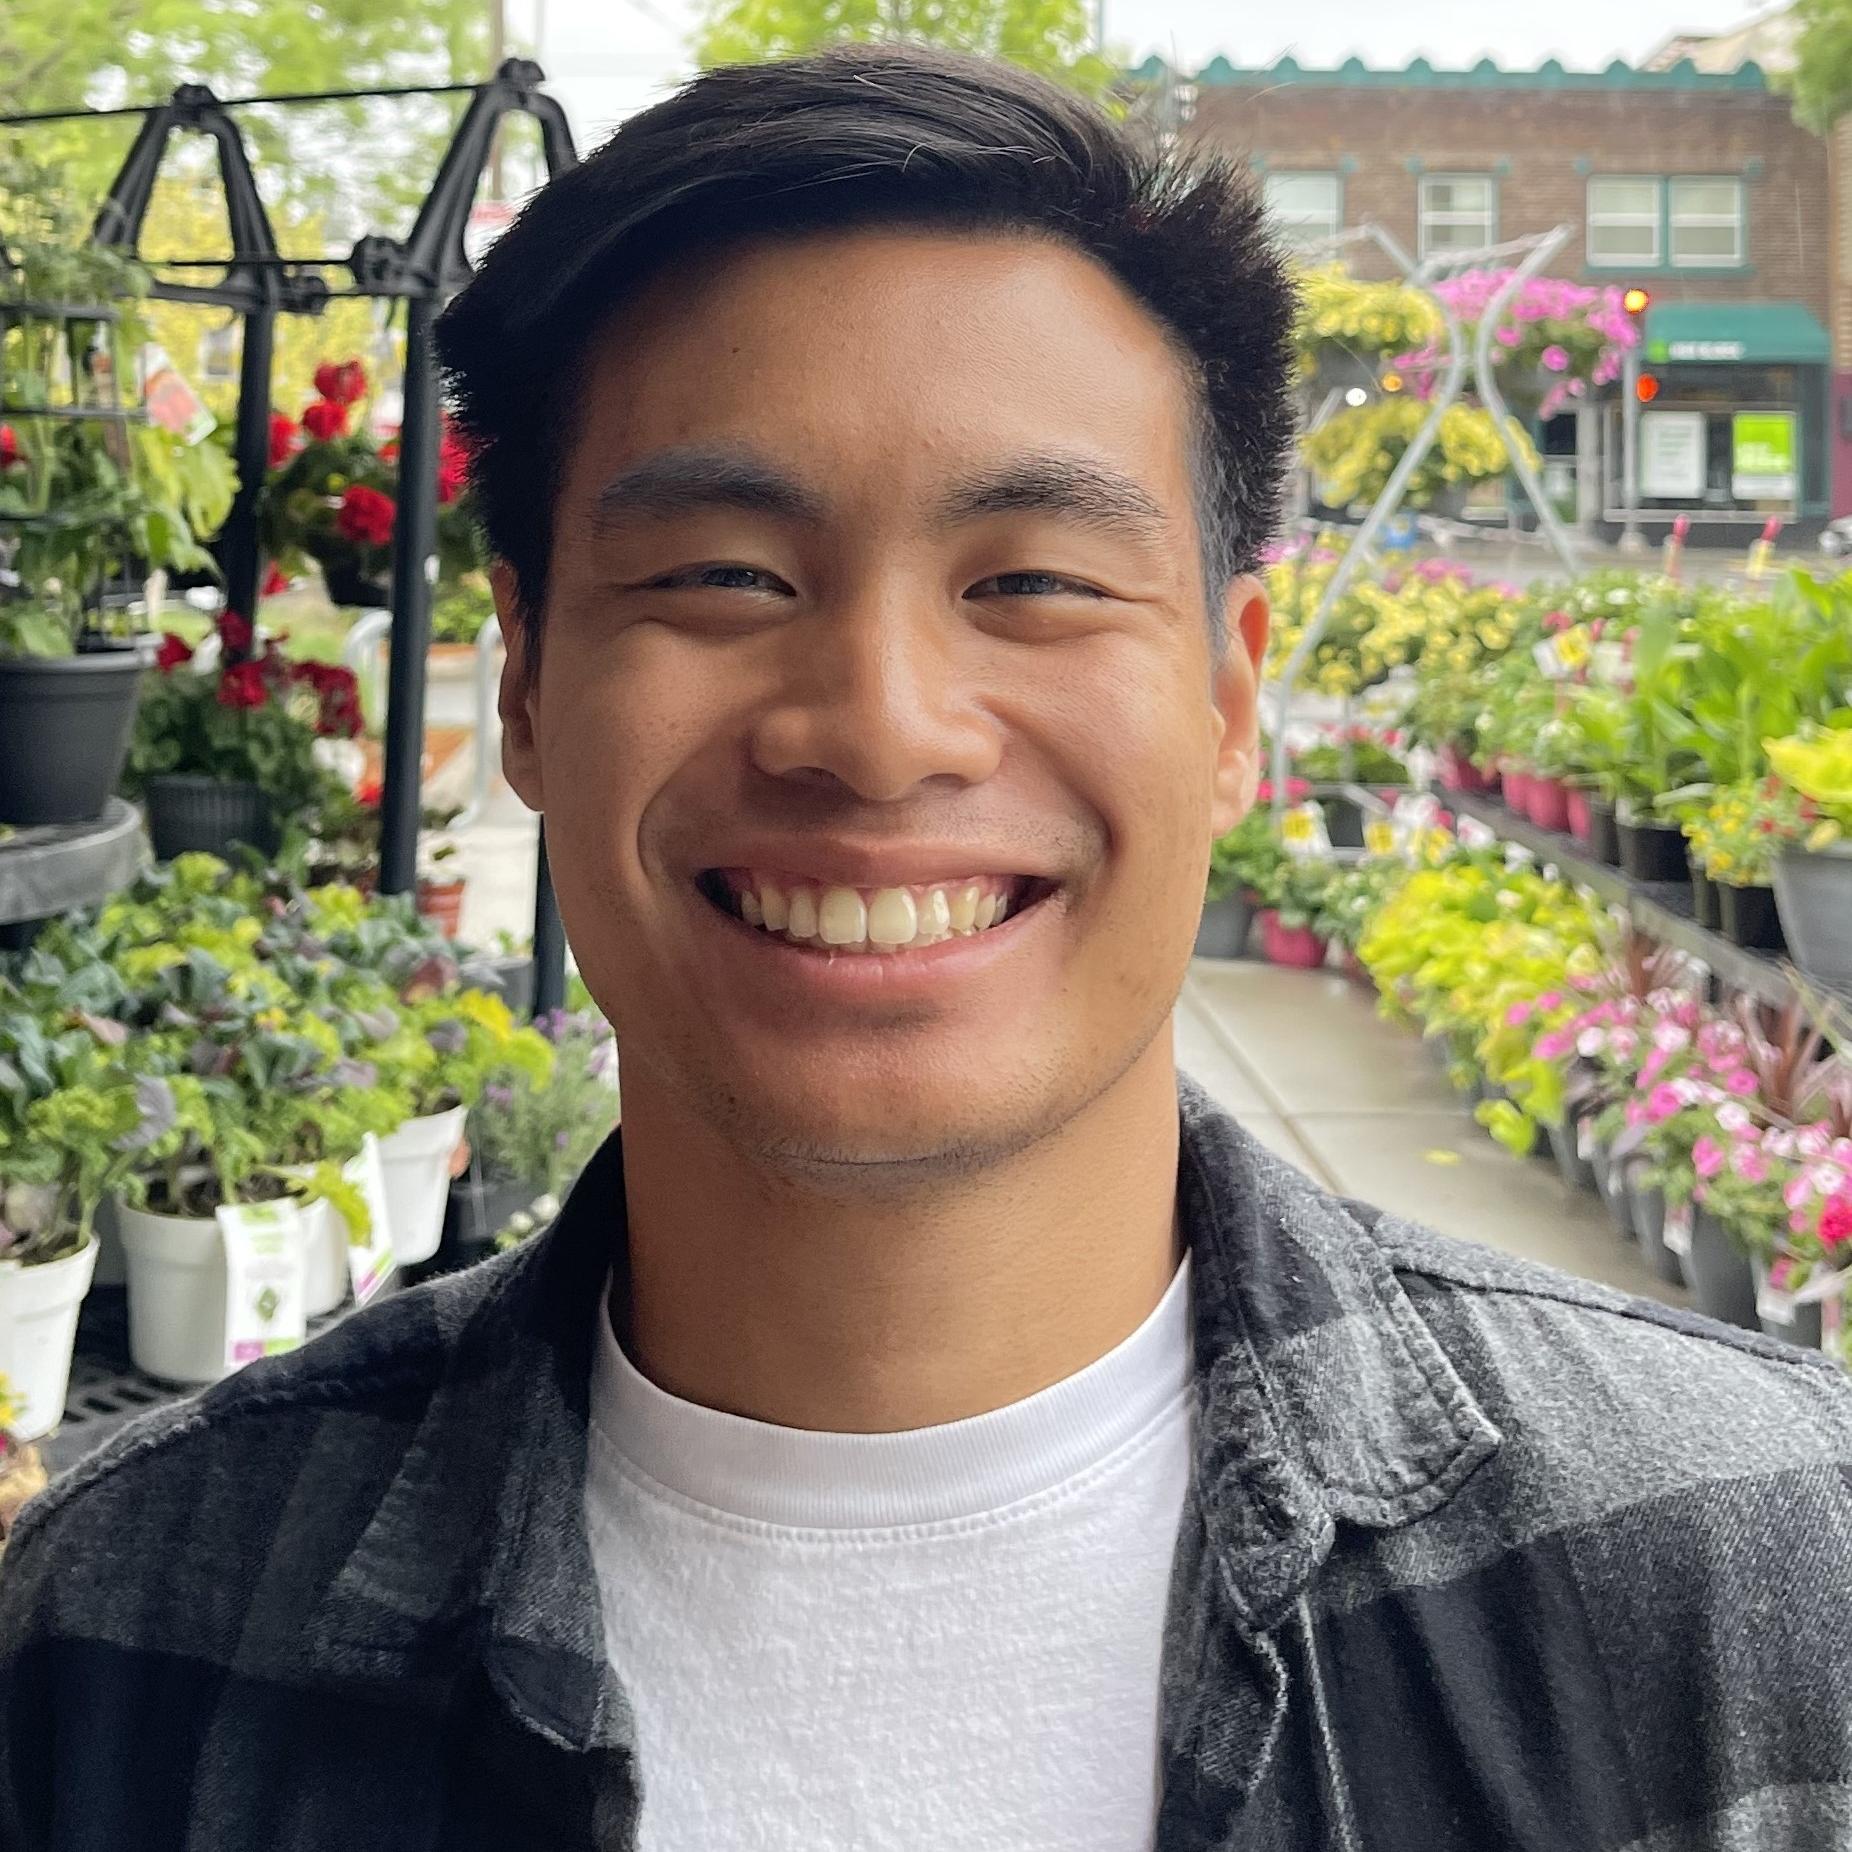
(45, 872)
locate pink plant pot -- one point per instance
(1548, 805)
(1297, 946)
(1575, 807)
(1517, 790)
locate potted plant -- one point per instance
(90, 493)
(1238, 862)
(1737, 834)
(1353, 453)
(440, 883)
(1813, 878)
(1292, 895)
(228, 753)
(529, 1139)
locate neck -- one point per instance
(846, 1316)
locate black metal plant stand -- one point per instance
(423, 271)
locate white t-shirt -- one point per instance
(934, 1640)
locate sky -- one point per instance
(609, 58)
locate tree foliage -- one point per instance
(1051, 37)
(1822, 76)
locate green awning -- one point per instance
(1761, 333)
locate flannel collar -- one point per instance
(1323, 1398)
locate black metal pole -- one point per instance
(549, 938)
(414, 544)
(242, 550)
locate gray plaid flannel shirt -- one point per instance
(1476, 1557)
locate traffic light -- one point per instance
(1646, 388)
(1636, 301)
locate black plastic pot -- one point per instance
(1749, 918)
(479, 1209)
(1807, 1330)
(188, 813)
(1226, 924)
(347, 585)
(511, 977)
(1705, 907)
(1718, 1271)
(1611, 1185)
(1653, 852)
(1604, 832)
(1343, 822)
(64, 733)
(1577, 1171)
(1647, 1203)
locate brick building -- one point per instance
(1696, 184)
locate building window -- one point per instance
(1704, 223)
(1623, 222)
(1459, 212)
(1304, 207)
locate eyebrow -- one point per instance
(693, 479)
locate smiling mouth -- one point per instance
(879, 921)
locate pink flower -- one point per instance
(1662, 1103)
(1749, 1163)
(1813, 1141)
(1653, 1066)
(1556, 359)
(1518, 1015)
(1509, 337)
(1671, 1037)
(1554, 1046)
(1780, 1272)
(1636, 1111)
(1741, 1082)
(1797, 1192)
(1707, 1158)
(1836, 1222)
(1622, 1043)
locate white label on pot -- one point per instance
(1585, 1139)
(1777, 1307)
(264, 1280)
(369, 1259)
(1678, 1228)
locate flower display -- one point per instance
(1341, 314)
(1353, 453)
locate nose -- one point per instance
(880, 699)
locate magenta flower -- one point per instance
(1509, 337)
(1741, 1082)
(1555, 1045)
(1518, 1015)
(1749, 1163)
(1555, 359)
(1708, 1158)
(1662, 1103)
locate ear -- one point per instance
(1235, 695)
(520, 691)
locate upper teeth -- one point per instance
(882, 919)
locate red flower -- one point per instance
(174, 651)
(276, 582)
(285, 439)
(243, 685)
(369, 791)
(10, 452)
(453, 455)
(1836, 1222)
(325, 420)
(344, 382)
(366, 516)
(234, 633)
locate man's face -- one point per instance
(876, 612)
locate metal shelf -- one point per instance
(1660, 909)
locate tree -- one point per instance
(1822, 76)
(1052, 37)
(73, 54)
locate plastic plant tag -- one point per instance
(264, 1280)
(370, 1261)
(1777, 1307)
(1585, 1139)
(1302, 830)
(1476, 835)
(1678, 1229)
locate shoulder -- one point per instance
(296, 1449)
(1654, 1449)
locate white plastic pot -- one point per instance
(324, 1259)
(416, 1160)
(176, 1294)
(38, 1330)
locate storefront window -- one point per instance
(1623, 221)
(1705, 222)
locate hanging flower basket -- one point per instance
(64, 734)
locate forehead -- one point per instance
(893, 356)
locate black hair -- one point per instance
(874, 135)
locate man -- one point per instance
(921, 1434)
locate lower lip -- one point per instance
(881, 976)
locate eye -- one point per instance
(720, 578)
(1031, 585)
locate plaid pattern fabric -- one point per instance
(1477, 1557)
